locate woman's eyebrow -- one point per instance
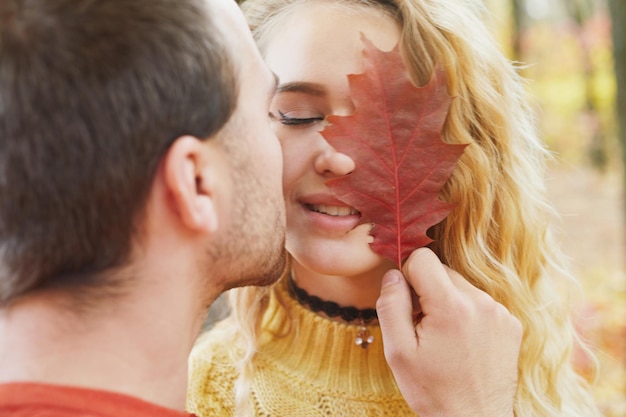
(313, 89)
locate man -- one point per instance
(139, 179)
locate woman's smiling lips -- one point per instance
(329, 213)
(332, 210)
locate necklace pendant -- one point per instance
(363, 338)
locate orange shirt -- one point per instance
(43, 400)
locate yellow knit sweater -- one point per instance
(315, 369)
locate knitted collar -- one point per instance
(307, 346)
(332, 309)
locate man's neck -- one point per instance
(138, 346)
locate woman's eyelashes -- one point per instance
(296, 121)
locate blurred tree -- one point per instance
(519, 17)
(580, 11)
(618, 16)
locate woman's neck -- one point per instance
(360, 291)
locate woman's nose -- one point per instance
(329, 162)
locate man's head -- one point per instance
(93, 97)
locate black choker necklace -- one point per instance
(332, 309)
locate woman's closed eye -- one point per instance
(296, 121)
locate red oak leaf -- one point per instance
(394, 138)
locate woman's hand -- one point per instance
(460, 359)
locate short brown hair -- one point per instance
(92, 93)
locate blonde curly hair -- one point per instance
(499, 236)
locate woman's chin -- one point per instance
(341, 262)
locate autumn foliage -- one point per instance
(394, 137)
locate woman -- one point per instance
(289, 346)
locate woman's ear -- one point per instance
(190, 181)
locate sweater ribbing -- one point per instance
(312, 368)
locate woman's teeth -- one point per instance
(332, 210)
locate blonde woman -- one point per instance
(310, 345)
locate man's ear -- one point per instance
(190, 181)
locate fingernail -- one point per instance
(390, 278)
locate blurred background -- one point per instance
(574, 58)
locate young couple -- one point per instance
(140, 178)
